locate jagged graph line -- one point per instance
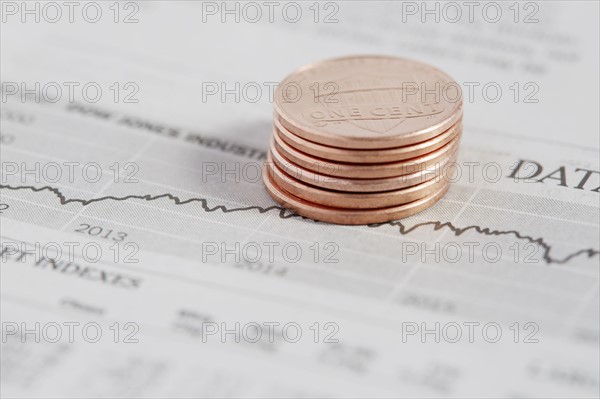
(284, 213)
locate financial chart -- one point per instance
(199, 284)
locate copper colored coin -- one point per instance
(375, 170)
(368, 102)
(366, 156)
(359, 185)
(348, 216)
(339, 199)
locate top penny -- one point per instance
(368, 102)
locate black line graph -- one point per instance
(284, 213)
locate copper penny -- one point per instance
(339, 199)
(375, 170)
(368, 102)
(348, 216)
(438, 170)
(367, 156)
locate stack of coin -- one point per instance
(362, 140)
